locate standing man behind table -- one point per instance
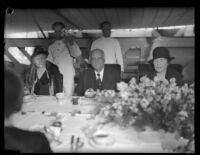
(61, 52)
(110, 46)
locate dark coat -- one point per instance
(25, 141)
(55, 76)
(87, 80)
(171, 73)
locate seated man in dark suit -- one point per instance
(16, 139)
(99, 76)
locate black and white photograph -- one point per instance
(99, 80)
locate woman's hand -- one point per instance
(26, 91)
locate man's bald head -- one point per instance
(97, 51)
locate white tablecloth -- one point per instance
(126, 140)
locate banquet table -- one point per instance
(34, 113)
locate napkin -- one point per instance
(56, 130)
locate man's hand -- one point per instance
(78, 61)
(26, 91)
(77, 65)
(69, 40)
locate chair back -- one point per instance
(132, 59)
(145, 69)
(115, 66)
(177, 67)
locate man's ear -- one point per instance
(89, 60)
(90, 53)
(104, 60)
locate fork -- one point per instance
(79, 144)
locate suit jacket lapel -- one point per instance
(92, 79)
(104, 77)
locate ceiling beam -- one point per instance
(32, 42)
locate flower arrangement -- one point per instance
(158, 104)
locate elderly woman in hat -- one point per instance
(43, 77)
(160, 62)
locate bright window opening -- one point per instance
(18, 55)
(29, 50)
(6, 58)
(37, 34)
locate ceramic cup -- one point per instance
(60, 97)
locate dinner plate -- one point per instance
(109, 141)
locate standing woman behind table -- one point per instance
(61, 52)
(16, 139)
(43, 77)
(160, 62)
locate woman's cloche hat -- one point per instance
(161, 52)
(39, 50)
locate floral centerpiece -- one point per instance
(158, 104)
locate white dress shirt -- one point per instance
(101, 74)
(112, 50)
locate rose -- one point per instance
(172, 80)
(152, 83)
(125, 95)
(182, 115)
(178, 96)
(134, 108)
(132, 81)
(117, 105)
(144, 79)
(167, 97)
(144, 103)
(122, 86)
(109, 93)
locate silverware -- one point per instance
(53, 137)
(26, 112)
(72, 143)
(77, 143)
(80, 145)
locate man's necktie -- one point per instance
(99, 82)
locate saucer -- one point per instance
(104, 142)
(37, 127)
